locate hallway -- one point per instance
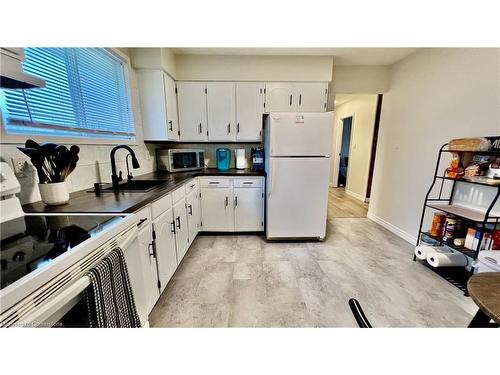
(341, 205)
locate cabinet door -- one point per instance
(221, 111)
(139, 283)
(249, 110)
(153, 105)
(192, 104)
(279, 97)
(171, 100)
(311, 96)
(166, 255)
(193, 214)
(149, 266)
(248, 210)
(181, 229)
(217, 210)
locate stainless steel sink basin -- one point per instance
(139, 186)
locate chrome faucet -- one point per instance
(115, 179)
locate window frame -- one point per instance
(9, 138)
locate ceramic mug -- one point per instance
(54, 194)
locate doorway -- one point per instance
(345, 147)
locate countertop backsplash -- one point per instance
(94, 166)
(210, 148)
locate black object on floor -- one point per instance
(358, 313)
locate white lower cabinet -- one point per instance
(232, 209)
(148, 263)
(181, 229)
(217, 210)
(193, 214)
(166, 255)
(248, 209)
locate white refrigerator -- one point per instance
(297, 152)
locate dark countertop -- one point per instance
(126, 202)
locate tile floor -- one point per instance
(244, 281)
(342, 205)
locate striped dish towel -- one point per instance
(109, 297)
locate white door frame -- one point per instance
(338, 145)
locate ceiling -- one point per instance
(342, 56)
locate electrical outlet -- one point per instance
(19, 165)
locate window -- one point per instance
(86, 95)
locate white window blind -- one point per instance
(86, 95)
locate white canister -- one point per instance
(54, 194)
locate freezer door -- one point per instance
(297, 197)
(300, 134)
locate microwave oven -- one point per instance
(180, 160)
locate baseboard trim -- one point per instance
(355, 195)
(394, 229)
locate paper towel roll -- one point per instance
(439, 259)
(241, 160)
(421, 252)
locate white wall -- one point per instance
(154, 58)
(368, 79)
(94, 164)
(254, 68)
(362, 108)
(435, 95)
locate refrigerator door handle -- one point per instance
(273, 171)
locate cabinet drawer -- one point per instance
(191, 185)
(251, 182)
(215, 182)
(178, 194)
(161, 205)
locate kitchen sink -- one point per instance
(139, 186)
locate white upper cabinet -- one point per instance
(249, 110)
(171, 99)
(310, 96)
(192, 104)
(279, 97)
(158, 105)
(221, 110)
(296, 97)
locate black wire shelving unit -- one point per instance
(482, 220)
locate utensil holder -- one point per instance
(54, 194)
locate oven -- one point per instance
(180, 160)
(50, 295)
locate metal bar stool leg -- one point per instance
(358, 313)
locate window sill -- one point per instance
(21, 139)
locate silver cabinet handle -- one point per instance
(178, 219)
(214, 183)
(171, 125)
(228, 128)
(199, 127)
(235, 201)
(226, 203)
(238, 127)
(290, 100)
(172, 227)
(300, 99)
(152, 250)
(190, 209)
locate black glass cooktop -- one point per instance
(31, 242)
